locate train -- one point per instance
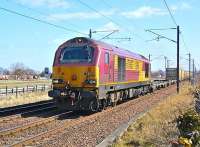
(171, 74)
(91, 75)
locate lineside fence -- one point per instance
(22, 90)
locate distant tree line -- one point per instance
(20, 71)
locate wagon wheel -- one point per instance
(104, 104)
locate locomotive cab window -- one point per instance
(80, 54)
(107, 60)
(146, 70)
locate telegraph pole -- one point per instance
(165, 62)
(178, 56)
(149, 65)
(149, 57)
(193, 74)
(189, 67)
(90, 33)
(168, 63)
(177, 43)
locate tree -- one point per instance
(20, 70)
(1, 70)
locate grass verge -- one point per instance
(20, 83)
(158, 126)
(25, 98)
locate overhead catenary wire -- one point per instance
(108, 18)
(171, 15)
(184, 43)
(41, 21)
(36, 11)
(174, 21)
(135, 34)
(93, 9)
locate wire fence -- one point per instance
(22, 90)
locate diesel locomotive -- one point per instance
(90, 75)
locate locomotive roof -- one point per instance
(117, 50)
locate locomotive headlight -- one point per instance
(90, 81)
(57, 81)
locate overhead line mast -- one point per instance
(178, 50)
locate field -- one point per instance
(157, 127)
(22, 98)
(19, 83)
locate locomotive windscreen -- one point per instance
(79, 54)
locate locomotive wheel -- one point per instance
(94, 106)
(104, 104)
(113, 104)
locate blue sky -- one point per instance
(34, 44)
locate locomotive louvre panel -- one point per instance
(131, 70)
(135, 65)
(121, 69)
(115, 68)
(129, 64)
(146, 70)
(141, 71)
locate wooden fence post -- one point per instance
(23, 89)
(16, 91)
(27, 88)
(6, 90)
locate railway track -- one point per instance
(25, 108)
(31, 124)
(58, 129)
(72, 123)
(66, 124)
(16, 131)
(23, 112)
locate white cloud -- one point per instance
(144, 11)
(79, 15)
(48, 3)
(110, 26)
(182, 6)
(185, 6)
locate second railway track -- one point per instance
(11, 135)
(24, 108)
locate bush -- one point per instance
(189, 126)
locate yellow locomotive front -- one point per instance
(75, 76)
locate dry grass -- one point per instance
(20, 83)
(26, 98)
(157, 128)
